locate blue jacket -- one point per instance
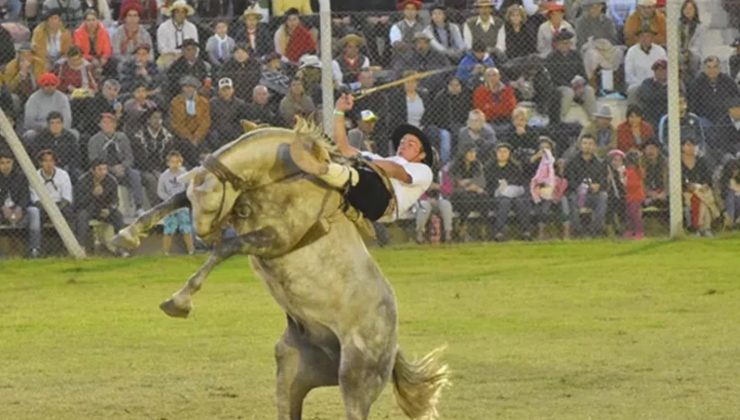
(468, 62)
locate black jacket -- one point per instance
(450, 111)
(226, 120)
(579, 170)
(15, 185)
(66, 148)
(264, 41)
(511, 172)
(710, 101)
(564, 67)
(85, 200)
(244, 75)
(181, 67)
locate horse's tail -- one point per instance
(418, 384)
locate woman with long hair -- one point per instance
(293, 39)
(516, 38)
(691, 34)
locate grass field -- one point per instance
(581, 330)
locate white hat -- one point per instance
(179, 4)
(647, 3)
(309, 60)
(368, 116)
(225, 82)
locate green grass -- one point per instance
(581, 330)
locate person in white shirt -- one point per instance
(172, 32)
(408, 174)
(639, 60)
(59, 186)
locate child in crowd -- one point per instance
(169, 185)
(634, 195)
(615, 188)
(220, 45)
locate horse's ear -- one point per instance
(209, 184)
(189, 175)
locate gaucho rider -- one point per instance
(409, 171)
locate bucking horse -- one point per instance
(342, 326)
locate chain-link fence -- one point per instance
(550, 121)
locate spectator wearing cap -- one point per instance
(188, 64)
(551, 31)
(220, 45)
(281, 7)
(309, 71)
(77, 75)
(423, 58)
(59, 140)
(135, 107)
(735, 61)
(484, 27)
(645, 17)
(445, 36)
(51, 39)
(712, 91)
(130, 34)
(698, 197)
(347, 66)
(473, 65)
(150, 145)
(172, 33)
(227, 111)
(96, 198)
(45, 100)
(21, 73)
(190, 119)
(602, 130)
(114, 148)
(517, 36)
(505, 183)
(449, 113)
(656, 174)
(725, 138)
(293, 39)
(595, 24)
(569, 75)
(586, 176)
(58, 185)
(254, 34)
(361, 137)
(94, 41)
(244, 70)
(296, 103)
(639, 60)
(402, 32)
(148, 11)
(478, 134)
(70, 11)
(139, 68)
(634, 131)
(495, 98)
(652, 95)
(15, 201)
(259, 110)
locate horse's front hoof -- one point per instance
(126, 239)
(171, 308)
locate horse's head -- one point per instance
(212, 201)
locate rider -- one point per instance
(409, 171)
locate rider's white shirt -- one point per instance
(406, 194)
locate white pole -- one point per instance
(327, 84)
(675, 192)
(35, 181)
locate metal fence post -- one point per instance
(674, 123)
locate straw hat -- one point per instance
(179, 4)
(252, 11)
(352, 37)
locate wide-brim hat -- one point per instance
(179, 4)
(252, 11)
(309, 60)
(483, 3)
(352, 37)
(647, 3)
(403, 3)
(604, 112)
(405, 129)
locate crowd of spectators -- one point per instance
(103, 93)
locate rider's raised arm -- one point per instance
(344, 104)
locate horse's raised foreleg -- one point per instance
(129, 237)
(180, 304)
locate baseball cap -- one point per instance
(368, 116)
(225, 82)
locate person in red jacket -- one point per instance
(494, 98)
(94, 41)
(634, 131)
(634, 194)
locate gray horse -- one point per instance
(342, 319)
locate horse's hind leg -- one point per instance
(362, 377)
(301, 367)
(129, 236)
